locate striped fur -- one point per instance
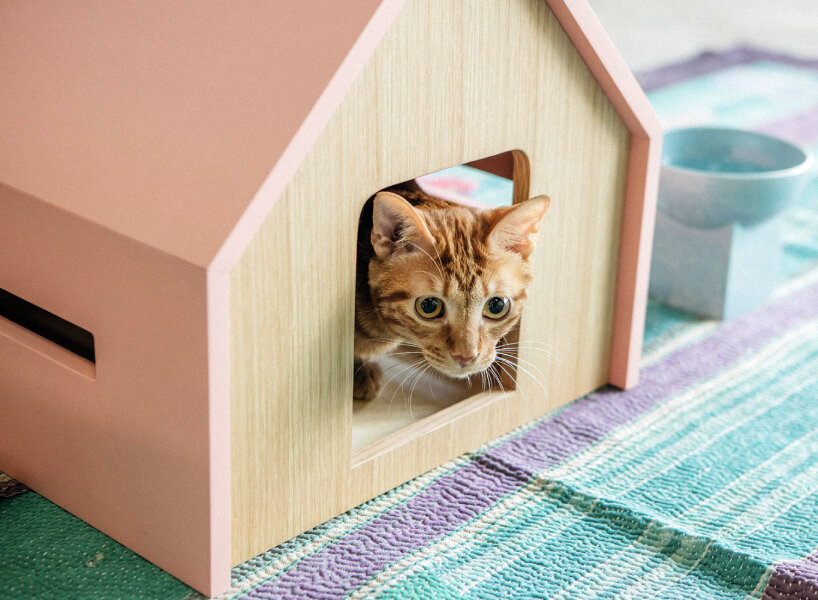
(462, 255)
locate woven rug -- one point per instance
(702, 482)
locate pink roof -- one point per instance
(179, 124)
(161, 120)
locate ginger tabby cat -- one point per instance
(446, 279)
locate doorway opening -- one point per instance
(409, 394)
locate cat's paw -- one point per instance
(367, 381)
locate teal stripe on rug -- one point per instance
(47, 553)
(580, 547)
(658, 436)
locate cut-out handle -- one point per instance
(47, 325)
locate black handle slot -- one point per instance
(48, 325)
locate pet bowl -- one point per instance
(715, 176)
(722, 194)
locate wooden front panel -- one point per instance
(452, 81)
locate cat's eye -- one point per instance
(429, 307)
(496, 307)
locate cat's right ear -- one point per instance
(515, 228)
(397, 227)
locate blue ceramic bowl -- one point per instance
(715, 176)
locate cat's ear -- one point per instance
(397, 227)
(515, 228)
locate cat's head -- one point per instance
(452, 280)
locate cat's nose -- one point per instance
(464, 360)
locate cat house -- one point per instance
(179, 198)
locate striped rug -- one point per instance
(700, 483)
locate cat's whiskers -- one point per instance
(412, 368)
(389, 380)
(496, 377)
(439, 260)
(403, 353)
(547, 351)
(528, 344)
(395, 366)
(396, 341)
(363, 364)
(438, 377)
(507, 373)
(412, 390)
(540, 342)
(383, 340)
(374, 359)
(433, 276)
(524, 370)
(526, 367)
(517, 346)
(514, 357)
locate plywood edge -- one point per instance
(635, 248)
(424, 446)
(420, 429)
(219, 450)
(521, 171)
(606, 65)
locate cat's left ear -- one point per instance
(516, 228)
(397, 227)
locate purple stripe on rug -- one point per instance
(794, 580)
(460, 496)
(589, 419)
(349, 562)
(710, 62)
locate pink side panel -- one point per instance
(122, 443)
(630, 102)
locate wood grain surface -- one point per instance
(453, 81)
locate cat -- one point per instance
(448, 279)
